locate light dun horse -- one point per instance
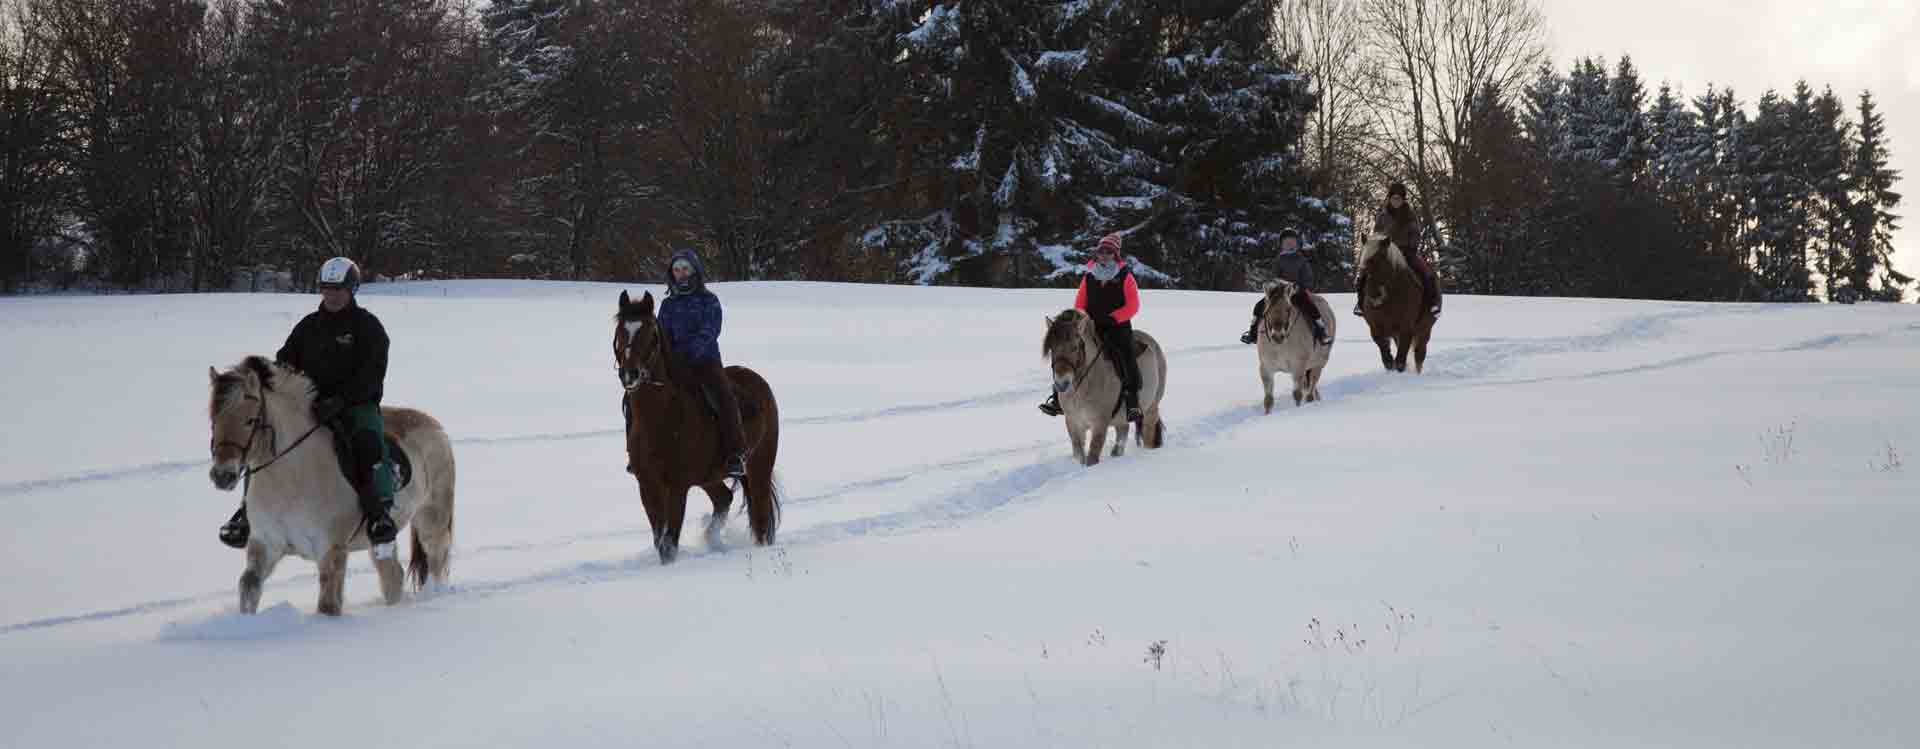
(1287, 345)
(673, 444)
(1089, 386)
(298, 500)
(1391, 302)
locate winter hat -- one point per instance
(1110, 242)
(1397, 188)
(1289, 233)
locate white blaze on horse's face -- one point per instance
(632, 374)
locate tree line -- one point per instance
(170, 144)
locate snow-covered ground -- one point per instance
(1589, 524)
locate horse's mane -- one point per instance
(1064, 331)
(271, 374)
(1378, 244)
(1278, 292)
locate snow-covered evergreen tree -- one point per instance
(1031, 129)
(1872, 220)
(580, 80)
(1777, 200)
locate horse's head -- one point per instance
(1280, 312)
(236, 409)
(638, 343)
(1378, 248)
(1067, 346)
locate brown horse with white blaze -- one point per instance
(673, 441)
(1392, 305)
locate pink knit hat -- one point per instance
(1110, 242)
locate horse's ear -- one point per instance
(624, 301)
(212, 375)
(646, 303)
(1049, 321)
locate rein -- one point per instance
(259, 424)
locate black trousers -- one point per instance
(1117, 339)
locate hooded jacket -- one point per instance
(691, 318)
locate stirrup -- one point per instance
(1051, 406)
(737, 466)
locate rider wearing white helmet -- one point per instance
(343, 348)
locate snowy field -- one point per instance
(1604, 524)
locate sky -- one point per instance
(1754, 45)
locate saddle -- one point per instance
(397, 456)
(748, 407)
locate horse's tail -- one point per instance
(417, 560)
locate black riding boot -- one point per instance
(1359, 294)
(1119, 341)
(236, 530)
(1253, 328)
(1304, 302)
(1051, 406)
(713, 379)
(367, 451)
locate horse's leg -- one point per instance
(722, 504)
(393, 579)
(653, 498)
(1097, 439)
(1420, 351)
(1405, 341)
(1299, 386)
(1076, 434)
(668, 543)
(1266, 384)
(1120, 429)
(1313, 384)
(260, 564)
(333, 581)
(1151, 434)
(1386, 351)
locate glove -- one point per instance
(326, 409)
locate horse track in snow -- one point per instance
(1045, 462)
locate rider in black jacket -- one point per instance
(342, 348)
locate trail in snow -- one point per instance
(1004, 484)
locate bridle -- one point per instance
(643, 374)
(256, 425)
(1099, 352)
(1286, 317)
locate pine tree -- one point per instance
(1872, 221)
(1777, 200)
(1625, 123)
(581, 79)
(1026, 130)
(1825, 161)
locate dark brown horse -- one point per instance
(673, 442)
(1391, 301)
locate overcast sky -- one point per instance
(1753, 45)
